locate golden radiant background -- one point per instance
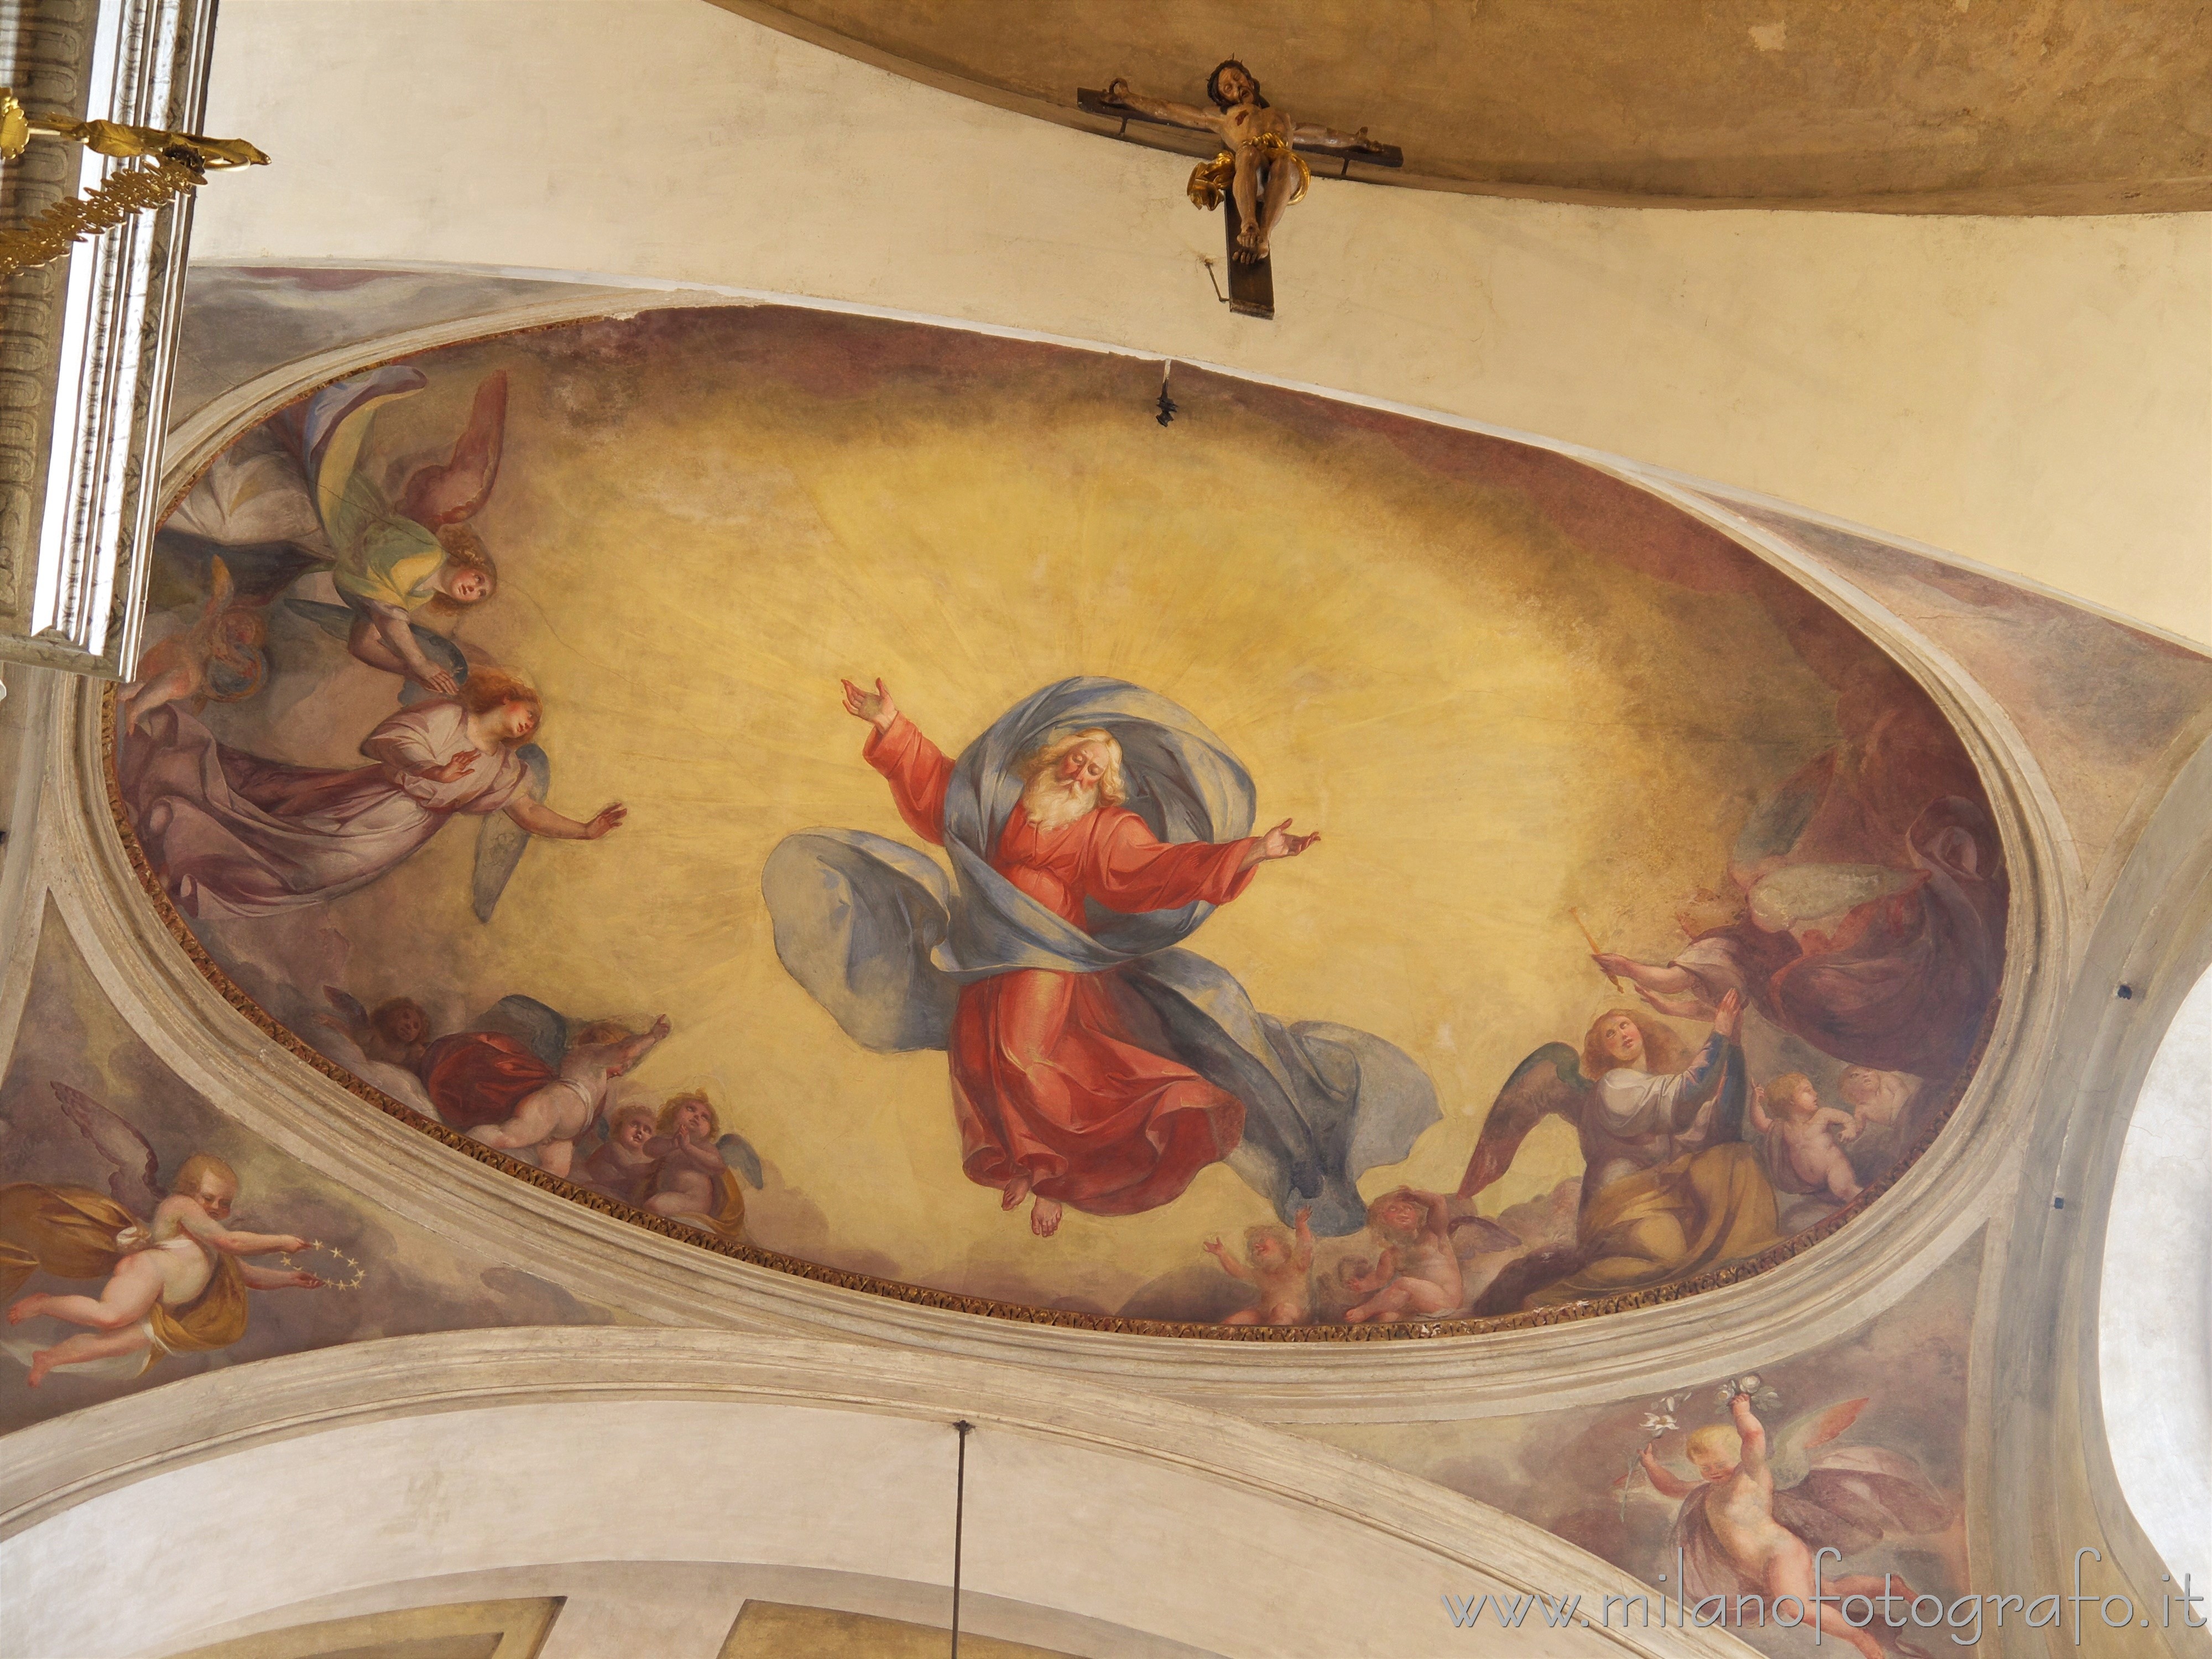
(702, 522)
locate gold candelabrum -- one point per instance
(180, 162)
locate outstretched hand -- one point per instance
(1728, 1020)
(610, 818)
(874, 706)
(1280, 844)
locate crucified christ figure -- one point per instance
(1258, 142)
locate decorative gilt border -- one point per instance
(919, 1295)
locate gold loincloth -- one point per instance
(1210, 180)
(72, 1232)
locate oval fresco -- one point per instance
(880, 801)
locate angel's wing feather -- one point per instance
(1789, 1453)
(739, 1154)
(1550, 1080)
(501, 841)
(1874, 1488)
(1475, 1235)
(446, 494)
(349, 1006)
(334, 409)
(541, 1029)
(338, 621)
(134, 1175)
(441, 651)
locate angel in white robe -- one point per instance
(233, 834)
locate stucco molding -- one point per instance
(128, 1448)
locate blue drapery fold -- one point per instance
(877, 934)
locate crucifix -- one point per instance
(1258, 173)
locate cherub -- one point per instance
(1876, 1098)
(175, 1284)
(545, 1122)
(1258, 141)
(217, 660)
(1803, 1155)
(1282, 1266)
(697, 1181)
(1750, 1524)
(620, 1167)
(395, 1032)
(1419, 1271)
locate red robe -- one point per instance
(481, 1077)
(1050, 1073)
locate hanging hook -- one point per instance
(964, 1429)
(1211, 277)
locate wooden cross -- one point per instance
(1261, 159)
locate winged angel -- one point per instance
(176, 1275)
(1668, 1188)
(234, 834)
(1750, 1524)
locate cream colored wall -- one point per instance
(2033, 393)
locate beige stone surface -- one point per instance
(2062, 106)
(2035, 394)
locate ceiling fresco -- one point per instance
(2047, 107)
(145, 1236)
(1865, 1444)
(1293, 872)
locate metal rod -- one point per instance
(959, 1514)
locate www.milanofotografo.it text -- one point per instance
(1962, 1616)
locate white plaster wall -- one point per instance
(2033, 393)
(343, 1478)
(2154, 1313)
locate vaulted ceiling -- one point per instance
(1990, 107)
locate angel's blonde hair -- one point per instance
(1715, 1440)
(197, 1168)
(599, 1031)
(1786, 1086)
(1113, 788)
(666, 1123)
(486, 689)
(465, 550)
(1663, 1052)
(1268, 1229)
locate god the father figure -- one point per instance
(1092, 1063)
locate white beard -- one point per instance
(1052, 803)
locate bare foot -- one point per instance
(1011, 1197)
(1248, 250)
(41, 1362)
(29, 1308)
(1044, 1217)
